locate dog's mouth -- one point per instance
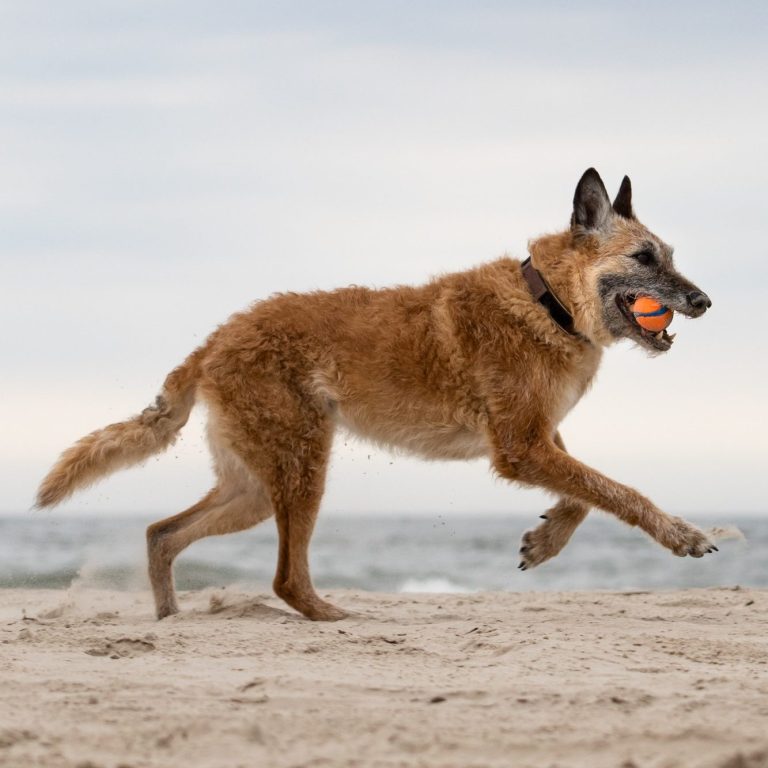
(659, 341)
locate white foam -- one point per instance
(433, 584)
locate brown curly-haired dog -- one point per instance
(471, 364)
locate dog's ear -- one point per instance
(623, 202)
(591, 204)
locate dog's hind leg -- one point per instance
(283, 436)
(295, 523)
(225, 509)
(548, 538)
(296, 497)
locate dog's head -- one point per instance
(607, 259)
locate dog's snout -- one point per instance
(699, 300)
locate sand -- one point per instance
(89, 678)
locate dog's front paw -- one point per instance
(684, 539)
(542, 543)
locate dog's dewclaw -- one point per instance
(722, 534)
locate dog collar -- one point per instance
(544, 295)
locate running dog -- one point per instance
(485, 362)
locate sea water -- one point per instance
(396, 552)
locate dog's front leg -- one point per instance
(548, 538)
(543, 464)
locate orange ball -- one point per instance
(651, 315)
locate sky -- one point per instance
(165, 164)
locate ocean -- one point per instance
(391, 553)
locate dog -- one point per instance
(485, 362)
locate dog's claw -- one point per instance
(715, 548)
(523, 550)
(544, 517)
(522, 566)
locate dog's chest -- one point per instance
(569, 394)
(573, 385)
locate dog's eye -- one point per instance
(645, 256)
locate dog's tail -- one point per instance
(127, 442)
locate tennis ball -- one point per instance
(651, 315)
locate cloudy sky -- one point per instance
(165, 164)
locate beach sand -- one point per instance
(88, 678)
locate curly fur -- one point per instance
(467, 365)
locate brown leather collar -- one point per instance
(544, 295)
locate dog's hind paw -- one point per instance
(323, 611)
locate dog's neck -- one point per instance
(564, 269)
(547, 298)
